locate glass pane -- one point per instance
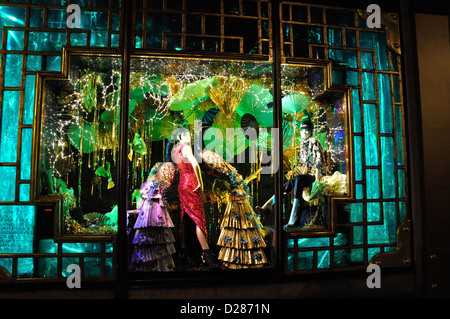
(25, 155)
(15, 40)
(28, 104)
(79, 144)
(356, 111)
(345, 58)
(358, 158)
(24, 192)
(371, 134)
(46, 41)
(399, 134)
(385, 100)
(17, 228)
(368, 86)
(366, 60)
(387, 167)
(335, 37)
(373, 212)
(13, 70)
(9, 126)
(376, 40)
(220, 112)
(372, 184)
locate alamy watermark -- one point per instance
(74, 18)
(74, 279)
(374, 279)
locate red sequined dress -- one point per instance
(191, 201)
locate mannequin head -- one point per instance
(306, 130)
(184, 136)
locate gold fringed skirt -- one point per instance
(241, 236)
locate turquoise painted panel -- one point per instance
(399, 134)
(34, 63)
(359, 191)
(305, 260)
(15, 40)
(53, 63)
(396, 86)
(78, 39)
(356, 111)
(390, 220)
(401, 183)
(385, 233)
(92, 266)
(350, 38)
(385, 100)
(7, 184)
(377, 41)
(356, 212)
(352, 78)
(358, 235)
(402, 211)
(368, 86)
(373, 212)
(323, 259)
(366, 60)
(46, 41)
(109, 266)
(24, 192)
(99, 38)
(313, 242)
(10, 125)
(28, 102)
(47, 267)
(25, 159)
(358, 158)
(17, 229)
(12, 16)
(56, 19)
(36, 17)
(81, 248)
(335, 37)
(25, 267)
(345, 58)
(372, 184)
(371, 134)
(388, 167)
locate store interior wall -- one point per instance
(433, 52)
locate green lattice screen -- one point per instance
(33, 34)
(362, 59)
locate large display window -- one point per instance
(252, 136)
(201, 160)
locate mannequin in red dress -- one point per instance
(190, 190)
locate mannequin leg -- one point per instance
(201, 238)
(294, 217)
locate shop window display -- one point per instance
(208, 123)
(79, 143)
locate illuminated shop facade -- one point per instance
(90, 114)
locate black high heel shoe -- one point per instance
(262, 211)
(209, 259)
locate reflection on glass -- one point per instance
(79, 144)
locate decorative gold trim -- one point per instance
(4, 274)
(402, 256)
